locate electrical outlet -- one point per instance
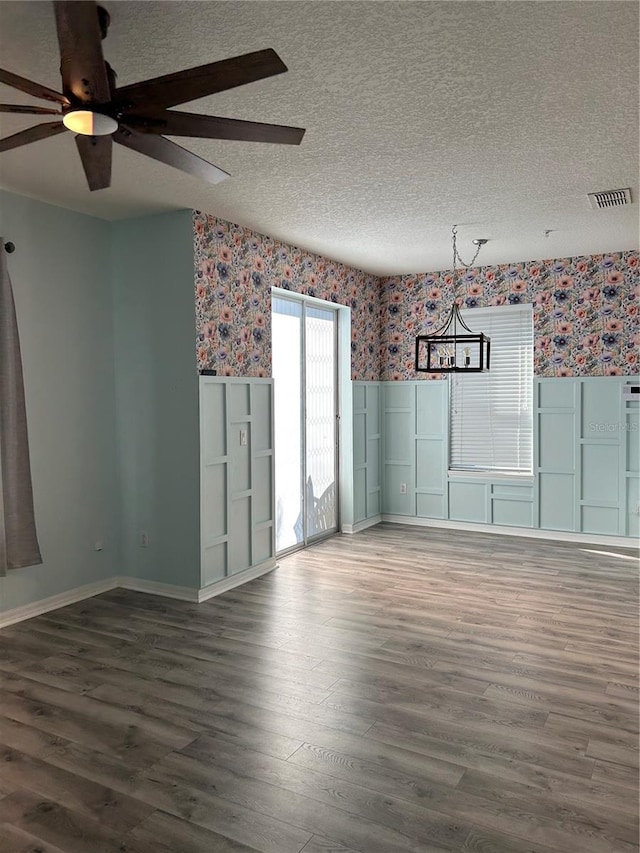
(638, 509)
(99, 545)
(403, 488)
(243, 438)
(143, 539)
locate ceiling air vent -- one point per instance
(609, 198)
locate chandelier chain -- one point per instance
(456, 254)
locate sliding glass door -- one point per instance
(305, 363)
(320, 393)
(287, 355)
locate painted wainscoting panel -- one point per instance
(432, 448)
(586, 477)
(601, 456)
(632, 498)
(490, 500)
(510, 513)
(237, 478)
(631, 484)
(630, 470)
(556, 501)
(512, 504)
(555, 454)
(213, 480)
(367, 451)
(468, 501)
(399, 455)
(586, 450)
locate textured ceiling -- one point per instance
(497, 116)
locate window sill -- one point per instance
(492, 476)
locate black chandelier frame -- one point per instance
(446, 350)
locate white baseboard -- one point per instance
(53, 602)
(527, 532)
(168, 590)
(235, 580)
(361, 525)
(183, 593)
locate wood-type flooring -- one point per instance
(403, 690)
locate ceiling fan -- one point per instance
(136, 116)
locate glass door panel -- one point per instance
(320, 420)
(287, 374)
(305, 407)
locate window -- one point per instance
(491, 417)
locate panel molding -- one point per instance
(237, 522)
(367, 453)
(557, 471)
(398, 455)
(578, 422)
(432, 434)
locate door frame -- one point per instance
(344, 416)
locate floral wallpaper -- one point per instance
(585, 312)
(585, 309)
(235, 269)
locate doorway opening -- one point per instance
(305, 374)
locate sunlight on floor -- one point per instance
(608, 554)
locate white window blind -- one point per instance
(491, 423)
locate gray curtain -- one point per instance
(18, 540)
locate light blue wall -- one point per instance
(157, 397)
(106, 313)
(586, 460)
(62, 288)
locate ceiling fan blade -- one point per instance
(84, 75)
(95, 153)
(194, 83)
(172, 123)
(31, 88)
(32, 134)
(168, 152)
(24, 110)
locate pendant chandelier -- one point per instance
(454, 348)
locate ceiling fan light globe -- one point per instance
(89, 123)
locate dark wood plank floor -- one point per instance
(399, 690)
